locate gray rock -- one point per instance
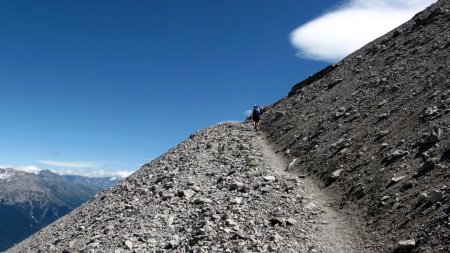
(426, 167)
(201, 201)
(292, 164)
(406, 244)
(382, 102)
(384, 198)
(398, 153)
(431, 111)
(291, 221)
(236, 186)
(279, 114)
(383, 133)
(187, 194)
(276, 237)
(341, 144)
(434, 196)
(395, 180)
(434, 136)
(236, 201)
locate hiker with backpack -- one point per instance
(255, 117)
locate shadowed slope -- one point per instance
(375, 129)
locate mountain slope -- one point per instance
(215, 192)
(375, 129)
(30, 201)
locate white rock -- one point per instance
(336, 173)
(397, 179)
(128, 244)
(269, 178)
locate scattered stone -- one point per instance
(230, 222)
(337, 173)
(187, 194)
(398, 153)
(383, 133)
(334, 82)
(276, 237)
(291, 221)
(434, 136)
(279, 114)
(291, 164)
(128, 244)
(406, 244)
(382, 102)
(431, 111)
(383, 116)
(269, 178)
(236, 201)
(341, 144)
(447, 146)
(201, 201)
(276, 221)
(395, 180)
(384, 198)
(427, 166)
(435, 196)
(196, 188)
(241, 234)
(236, 186)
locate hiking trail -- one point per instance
(332, 230)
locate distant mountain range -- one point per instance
(30, 201)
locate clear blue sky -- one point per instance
(112, 84)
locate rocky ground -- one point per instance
(374, 129)
(222, 190)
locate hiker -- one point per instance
(256, 112)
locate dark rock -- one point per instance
(435, 196)
(201, 201)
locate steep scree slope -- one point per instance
(375, 129)
(215, 192)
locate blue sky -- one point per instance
(102, 87)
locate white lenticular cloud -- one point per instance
(94, 173)
(340, 32)
(68, 164)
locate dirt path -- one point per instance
(332, 230)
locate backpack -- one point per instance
(256, 112)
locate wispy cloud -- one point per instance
(355, 23)
(29, 169)
(94, 173)
(247, 113)
(86, 172)
(227, 121)
(67, 164)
